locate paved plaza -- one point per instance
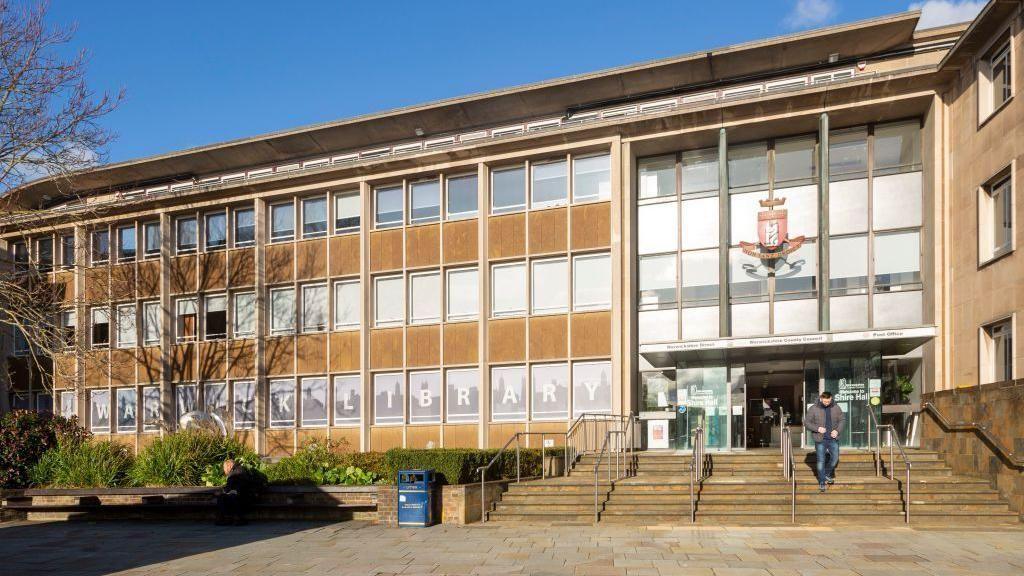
(286, 548)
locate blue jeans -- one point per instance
(827, 452)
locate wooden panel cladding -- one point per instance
(385, 438)
(506, 236)
(423, 245)
(242, 267)
(96, 364)
(280, 443)
(213, 270)
(423, 345)
(64, 283)
(148, 278)
(305, 437)
(345, 255)
(122, 367)
(150, 364)
(423, 437)
(548, 230)
(386, 348)
(498, 434)
(246, 437)
(591, 226)
(64, 374)
(591, 334)
(213, 360)
(460, 241)
(241, 358)
(461, 436)
(461, 343)
(122, 281)
(345, 439)
(183, 363)
(311, 353)
(385, 250)
(97, 284)
(506, 340)
(183, 274)
(345, 351)
(311, 259)
(280, 356)
(280, 262)
(549, 337)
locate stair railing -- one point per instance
(789, 468)
(981, 430)
(895, 441)
(878, 441)
(606, 447)
(696, 468)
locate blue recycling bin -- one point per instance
(416, 498)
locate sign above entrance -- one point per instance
(772, 233)
(793, 340)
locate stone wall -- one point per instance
(999, 407)
(453, 504)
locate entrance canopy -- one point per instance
(890, 342)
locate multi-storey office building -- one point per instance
(704, 240)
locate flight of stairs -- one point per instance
(748, 488)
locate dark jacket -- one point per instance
(815, 418)
(241, 482)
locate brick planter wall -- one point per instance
(454, 503)
(1000, 407)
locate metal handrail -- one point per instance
(543, 471)
(981, 430)
(696, 468)
(894, 440)
(878, 441)
(789, 468)
(597, 465)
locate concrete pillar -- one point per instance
(262, 387)
(724, 324)
(823, 225)
(166, 325)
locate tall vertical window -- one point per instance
(44, 253)
(68, 319)
(151, 238)
(314, 401)
(99, 411)
(592, 282)
(348, 394)
(997, 351)
(215, 312)
(282, 222)
(127, 331)
(100, 246)
(245, 227)
(748, 165)
(995, 81)
(657, 177)
(508, 190)
(126, 243)
(282, 310)
(462, 197)
(150, 323)
(425, 201)
(995, 217)
(897, 148)
(848, 265)
(68, 404)
(463, 294)
(346, 211)
(508, 289)
(216, 230)
(387, 207)
(100, 317)
(151, 409)
(186, 399)
(700, 171)
(127, 410)
(215, 399)
(243, 401)
(244, 311)
(550, 286)
(550, 391)
(347, 300)
(463, 395)
(424, 298)
(388, 399)
(314, 308)
(67, 251)
(657, 279)
(186, 234)
(549, 185)
(388, 301)
(424, 397)
(19, 252)
(282, 403)
(187, 318)
(897, 261)
(314, 217)
(591, 178)
(508, 394)
(699, 278)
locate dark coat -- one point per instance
(815, 418)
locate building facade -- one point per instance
(709, 240)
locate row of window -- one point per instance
(398, 398)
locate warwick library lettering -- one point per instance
(696, 240)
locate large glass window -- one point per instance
(424, 397)
(215, 317)
(100, 327)
(550, 286)
(748, 279)
(700, 278)
(244, 314)
(125, 243)
(463, 395)
(282, 403)
(245, 227)
(897, 147)
(508, 394)
(897, 261)
(314, 217)
(795, 160)
(848, 206)
(151, 317)
(151, 233)
(700, 171)
(215, 399)
(658, 279)
(591, 388)
(216, 231)
(657, 177)
(424, 298)
(67, 251)
(348, 394)
(658, 325)
(388, 301)
(347, 304)
(550, 184)
(387, 206)
(346, 212)
(463, 294)
(282, 310)
(127, 410)
(314, 308)
(425, 201)
(282, 222)
(186, 234)
(508, 190)
(508, 289)
(658, 227)
(591, 178)
(848, 265)
(550, 391)
(797, 275)
(847, 154)
(127, 332)
(314, 402)
(462, 197)
(748, 165)
(186, 399)
(388, 399)
(244, 404)
(897, 201)
(152, 409)
(592, 282)
(700, 223)
(187, 319)
(100, 246)
(99, 411)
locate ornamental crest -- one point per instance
(772, 233)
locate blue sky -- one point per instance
(203, 72)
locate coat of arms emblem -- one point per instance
(772, 233)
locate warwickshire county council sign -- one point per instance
(794, 340)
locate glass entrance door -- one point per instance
(704, 398)
(850, 379)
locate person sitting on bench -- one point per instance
(236, 497)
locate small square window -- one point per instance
(508, 190)
(346, 212)
(282, 222)
(425, 201)
(387, 207)
(995, 217)
(550, 185)
(997, 352)
(462, 197)
(245, 227)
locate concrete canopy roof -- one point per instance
(548, 98)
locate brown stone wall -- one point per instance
(998, 407)
(454, 503)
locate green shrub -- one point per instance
(459, 465)
(83, 464)
(213, 474)
(182, 458)
(25, 436)
(322, 463)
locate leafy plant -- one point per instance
(322, 462)
(181, 459)
(213, 474)
(25, 436)
(83, 464)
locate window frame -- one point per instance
(44, 266)
(411, 298)
(206, 317)
(999, 49)
(377, 322)
(448, 214)
(573, 178)
(410, 190)
(377, 224)
(93, 260)
(270, 403)
(236, 422)
(449, 316)
(178, 247)
(556, 203)
(334, 311)
(145, 324)
(512, 208)
(286, 330)
(989, 353)
(121, 257)
(93, 394)
(69, 329)
(206, 231)
(336, 197)
(1002, 184)
(235, 332)
(146, 426)
(65, 264)
(328, 407)
(493, 312)
(234, 227)
(325, 326)
(179, 326)
(116, 428)
(134, 342)
(92, 327)
(275, 238)
(590, 307)
(327, 216)
(533, 276)
(146, 228)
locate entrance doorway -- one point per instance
(776, 393)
